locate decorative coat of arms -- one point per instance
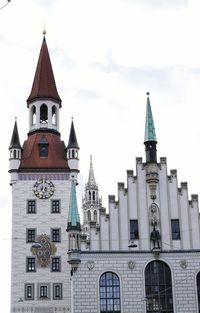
(44, 252)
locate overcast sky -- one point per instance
(106, 54)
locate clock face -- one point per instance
(43, 188)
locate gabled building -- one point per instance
(144, 254)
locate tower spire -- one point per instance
(73, 217)
(15, 142)
(44, 86)
(91, 179)
(150, 140)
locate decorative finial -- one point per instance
(148, 93)
(44, 32)
(15, 118)
(72, 117)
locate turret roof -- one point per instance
(73, 217)
(72, 142)
(44, 86)
(150, 134)
(15, 142)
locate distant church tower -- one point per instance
(41, 175)
(91, 203)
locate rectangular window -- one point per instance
(30, 265)
(55, 206)
(31, 206)
(29, 292)
(43, 291)
(57, 291)
(175, 227)
(55, 235)
(55, 265)
(30, 235)
(134, 233)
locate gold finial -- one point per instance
(44, 32)
(148, 93)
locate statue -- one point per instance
(155, 237)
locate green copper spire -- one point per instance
(150, 134)
(73, 217)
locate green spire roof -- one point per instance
(73, 217)
(150, 134)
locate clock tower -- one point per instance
(41, 175)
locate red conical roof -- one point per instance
(44, 85)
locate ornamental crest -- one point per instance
(44, 252)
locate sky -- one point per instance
(106, 54)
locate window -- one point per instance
(109, 290)
(57, 291)
(30, 235)
(43, 113)
(30, 265)
(43, 291)
(55, 206)
(31, 206)
(29, 291)
(134, 234)
(43, 147)
(198, 291)
(55, 265)
(158, 286)
(95, 216)
(55, 235)
(175, 229)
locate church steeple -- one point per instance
(15, 142)
(91, 179)
(150, 140)
(44, 101)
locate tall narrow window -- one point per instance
(30, 265)
(95, 216)
(89, 216)
(57, 291)
(33, 115)
(55, 234)
(55, 206)
(30, 235)
(55, 265)
(109, 290)
(43, 147)
(54, 116)
(158, 287)
(43, 114)
(134, 234)
(175, 229)
(198, 291)
(29, 291)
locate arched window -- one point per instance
(54, 115)
(43, 114)
(158, 287)
(198, 291)
(89, 195)
(109, 291)
(95, 216)
(89, 216)
(33, 110)
(93, 195)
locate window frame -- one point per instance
(56, 237)
(176, 235)
(134, 235)
(26, 286)
(33, 235)
(109, 292)
(32, 264)
(60, 291)
(47, 287)
(55, 210)
(56, 264)
(30, 208)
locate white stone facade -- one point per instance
(43, 221)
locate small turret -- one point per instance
(15, 153)
(73, 224)
(73, 152)
(150, 135)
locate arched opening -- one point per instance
(33, 115)
(54, 115)
(109, 291)
(198, 291)
(95, 216)
(93, 195)
(89, 216)
(89, 195)
(158, 286)
(15, 154)
(43, 114)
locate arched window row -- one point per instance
(43, 114)
(158, 287)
